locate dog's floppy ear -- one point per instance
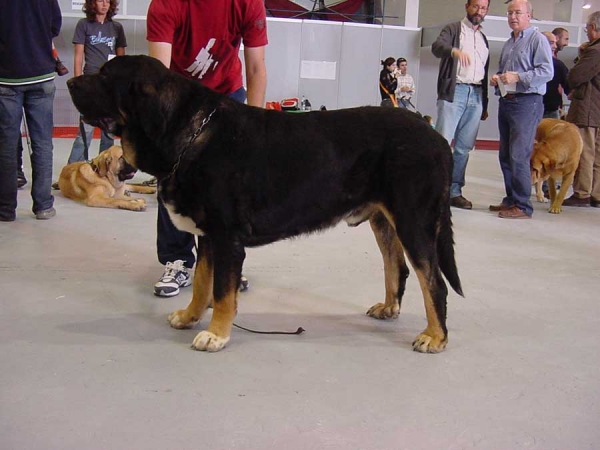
(101, 164)
(98, 165)
(546, 166)
(105, 168)
(559, 165)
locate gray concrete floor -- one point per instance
(89, 361)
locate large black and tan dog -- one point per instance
(241, 176)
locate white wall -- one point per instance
(356, 50)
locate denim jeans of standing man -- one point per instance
(518, 119)
(459, 120)
(37, 102)
(78, 150)
(173, 244)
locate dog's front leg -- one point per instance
(557, 199)
(202, 289)
(229, 258)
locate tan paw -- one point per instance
(542, 199)
(380, 311)
(424, 343)
(180, 319)
(209, 342)
(555, 210)
(140, 203)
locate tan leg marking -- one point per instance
(219, 330)
(391, 250)
(432, 339)
(201, 297)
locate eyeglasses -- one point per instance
(515, 13)
(479, 8)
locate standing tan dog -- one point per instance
(555, 155)
(101, 182)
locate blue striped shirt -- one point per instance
(531, 57)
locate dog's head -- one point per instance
(542, 166)
(111, 164)
(124, 87)
(148, 105)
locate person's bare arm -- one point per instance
(256, 75)
(161, 51)
(120, 51)
(78, 60)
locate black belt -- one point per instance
(517, 95)
(471, 84)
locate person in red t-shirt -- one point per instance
(201, 40)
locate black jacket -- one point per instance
(448, 39)
(389, 82)
(26, 32)
(552, 97)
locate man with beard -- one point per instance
(562, 39)
(462, 89)
(557, 85)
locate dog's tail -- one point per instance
(445, 250)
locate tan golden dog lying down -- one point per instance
(555, 156)
(101, 182)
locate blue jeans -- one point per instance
(459, 120)
(518, 119)
(171, 243)
(78, 149)
(37, 102)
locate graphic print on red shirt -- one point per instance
(206, 37)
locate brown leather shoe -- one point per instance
(500, 207)
(513, 213)
(461, 202)
(594, 203)
(577, 201)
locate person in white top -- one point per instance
(406, 85)
(462, 89)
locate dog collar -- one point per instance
(192, 139)
(94, 166)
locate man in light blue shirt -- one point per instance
(524, 69)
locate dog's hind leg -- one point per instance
(202, 290)
(435, 337)
(227, 272)
(420, 244)
(394, 266)
(539, 193)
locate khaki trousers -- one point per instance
(587, 177)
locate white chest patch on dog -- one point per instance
(181, 222)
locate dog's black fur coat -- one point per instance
(254, 176)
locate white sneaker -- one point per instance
(176, 276)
